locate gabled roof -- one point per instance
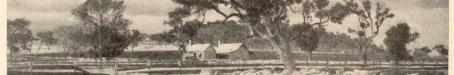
(227, 48)
(153, 47)
(197, 47)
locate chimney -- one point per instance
(190, 43)
(219, 42)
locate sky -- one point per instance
(428, 17)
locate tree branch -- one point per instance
(319, 23)
(236, 3)
(260, 33)
(226, 17)
(219, 11)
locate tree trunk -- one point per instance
(363, 53)
(364, 58)
(310, 56)
(102, 62)
(130, 55)
(284, 52)
(39, 47)
(307, 60)
(11, 55)
(66, 50)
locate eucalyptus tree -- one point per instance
(421, 52)
(307, 38)
(163, 37)
(136, 38)
(47, 38)
(397, 38)
(443, 51)
(370, 17)
(19, 36)
(267, 19)
(104, 27)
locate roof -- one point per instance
(227, 48)
(153, 47)
(197, 47)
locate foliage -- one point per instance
(441, 49)
(163, 37)
(19, 36)
(307, 37)
(72, 37)
(329, 41)
(182, 30)
(227, 32)
(421, 52)
(136, 37)
(47, 38)
(370, 19)
(103, 27)
(397, 39)
(267, 19)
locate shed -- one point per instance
(232, 51)
(199, 52)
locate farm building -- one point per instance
(230, 51)
(199, 52)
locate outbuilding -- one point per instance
(228, 51)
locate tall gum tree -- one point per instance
(397, 38)
(267, 19)
(19, 36)
(370, 17)
(104, 27)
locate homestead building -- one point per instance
(219, 51)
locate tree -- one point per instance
(330, 41)
(228, 32)
(397, 39)
(19, 36)
(103, 27)
(72, 37)
(370, 20)
(47, 38)
(441, 49)
(307, 37)
(136, 38)
(163, 37)
(267, 19)
(421, 52)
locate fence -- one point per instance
(175, 63)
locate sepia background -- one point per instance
(431, 18)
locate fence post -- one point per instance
(75, 63)
(327, 63)
(148, 64)
(345, 62)
(116, 66)
(30, 68)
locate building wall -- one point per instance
(210, 53)
(241, 54)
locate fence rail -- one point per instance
(161, 63)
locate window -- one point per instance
(222, 56)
